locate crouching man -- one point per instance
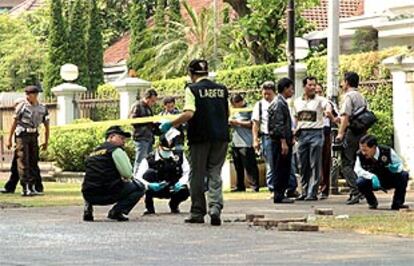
(165, 175)
(108, 178)
(379, 167)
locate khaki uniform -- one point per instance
(28, 118)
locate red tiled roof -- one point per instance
(28, 5)
(10, 3)
(118, 51)
(319, 14)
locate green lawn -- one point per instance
(394, 223)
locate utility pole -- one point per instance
(333, 50)
(291, 40)
(215, 34)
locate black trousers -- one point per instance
(244, 158)
(348, 158)
(124, 201)
(397, 181)
(11, 184)
(282, 164)
(175, 197)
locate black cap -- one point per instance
(32, 88)
(165, 144)
(117, 130)
(198, 66)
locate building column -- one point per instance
(66, 102)
(402, 69)
(129, 89)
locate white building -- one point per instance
(393, 19)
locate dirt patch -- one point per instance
(7, 205)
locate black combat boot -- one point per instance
(88, 212)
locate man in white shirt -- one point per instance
(261, 139)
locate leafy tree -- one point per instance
(365, 40)
(138, 26)
(95, 48)
(57, 46)
(174, 8)
(261, 28)
(21, 55)
(77, 42)
(165, 51)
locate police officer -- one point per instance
(28, 116)
(108, 178)
(207, 111)
(171, 109)
(165, 175)
(379, 167)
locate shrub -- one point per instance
(70, 148)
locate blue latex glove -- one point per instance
(177, 186)
(156, 186)
(165, 126)
(376, 183)
(393, 167)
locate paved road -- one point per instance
(57, 236)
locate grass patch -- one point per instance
(56, 194)
(395, 223)
(67, 194)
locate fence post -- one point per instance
(402, 69)
(65, 94)
(128, 89)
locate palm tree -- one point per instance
(165, 52)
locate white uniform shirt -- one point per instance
(265, 114)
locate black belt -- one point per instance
(311, 129)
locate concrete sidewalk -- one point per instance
(57, 236)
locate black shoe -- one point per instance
(301, 197)
(292, 194)
(283, 200)
(35, 192)
(5, 191)
(256, 189)
(353, 200)
(397, 207)
(148, 212)
(174, 208)
(88, 212)
(192, 220)
(372, 206)
(120, 217)
(238, 190)
(314, 198)
(215, 220)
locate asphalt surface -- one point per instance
(57, 236)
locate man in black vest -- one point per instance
(207, 111)
(379, 167)
(165, 173)
(108, 178)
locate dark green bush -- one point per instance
(69, 148)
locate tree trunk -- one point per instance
(240, 6)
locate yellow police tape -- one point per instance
(125, 122)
